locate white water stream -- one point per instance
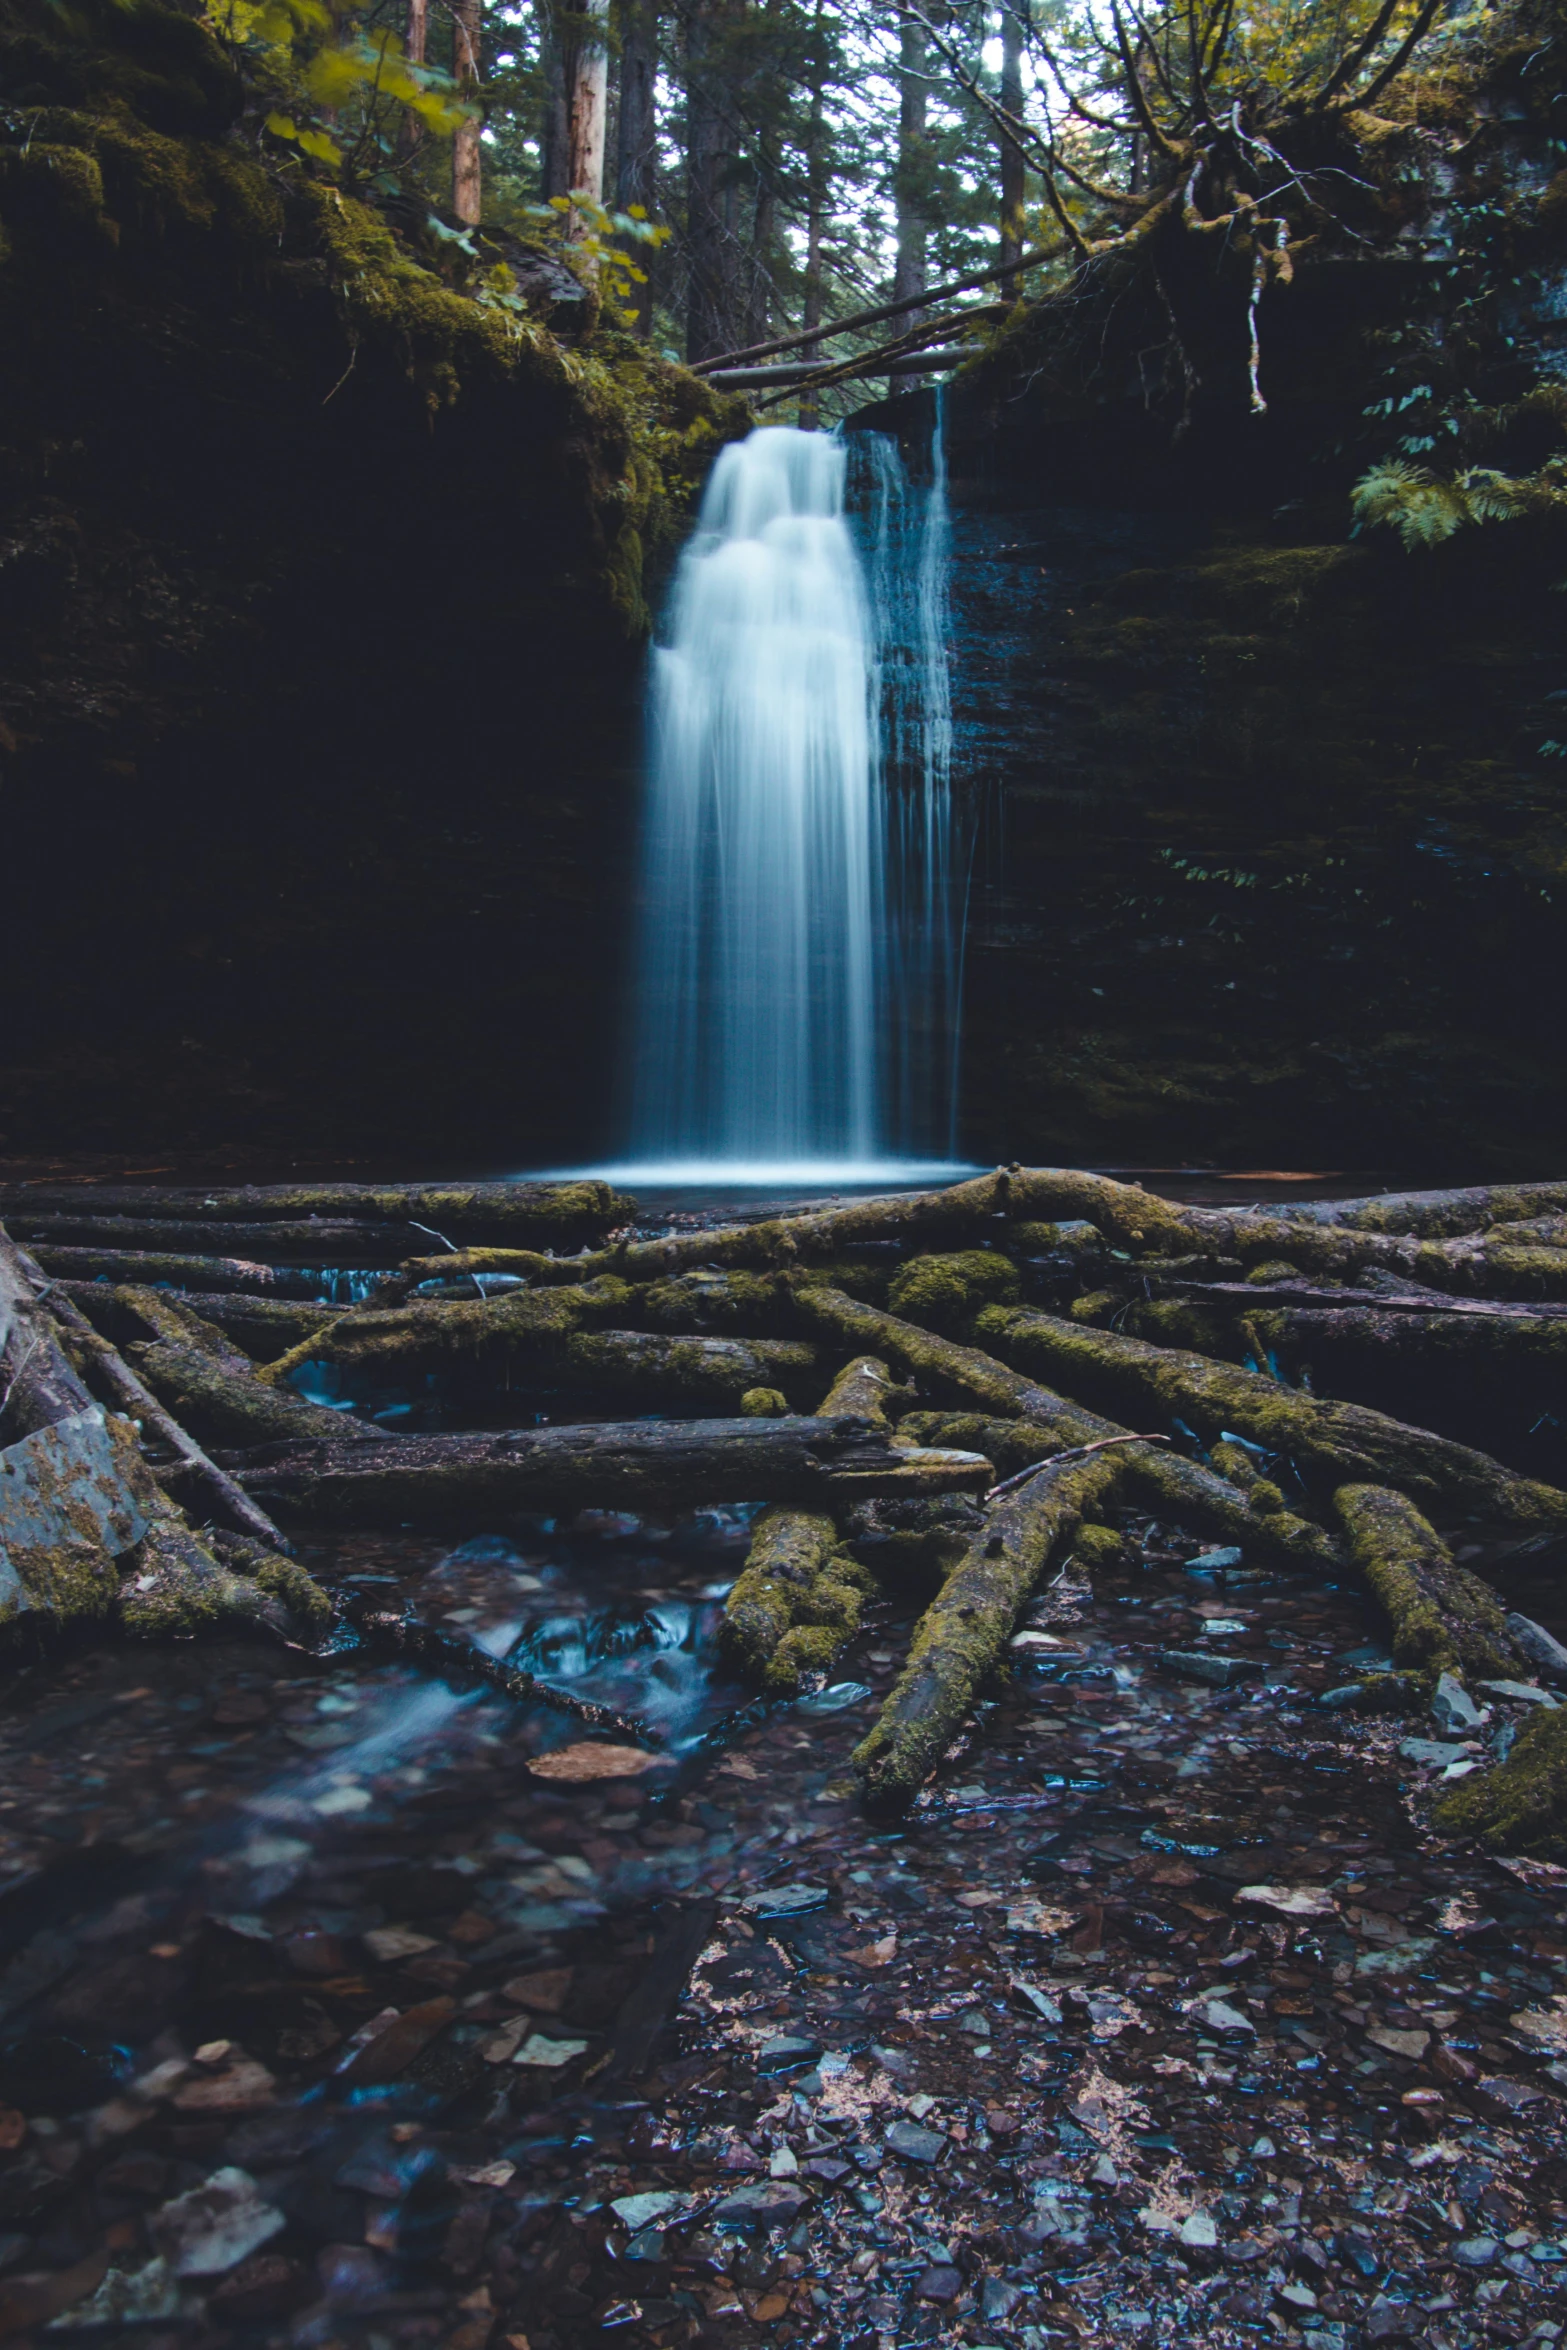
(798, 968)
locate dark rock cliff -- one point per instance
(321, 613)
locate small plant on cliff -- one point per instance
(336, 88)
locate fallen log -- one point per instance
(800, 1595)
(143, 1267)
(260, 1324)
(316, 1241)
(1442, 1618)
(1331, 1443)
(1179, 1489)
(484, 1479)
(215, 1489)
(1436, 1215)
(193, 1369)
(550, 1215)
(963, 1634)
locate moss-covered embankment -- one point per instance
(322, 588)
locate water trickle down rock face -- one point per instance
(1268, 856)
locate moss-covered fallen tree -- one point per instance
(1442, 1618)
(1329, 1443)
(1520, 1804)
(962, 1634)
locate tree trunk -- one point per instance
(587, 104)
(911, 187)
(714, 302)
(484, 1480)
(410, 132)
(555, 113)
(818, 181)
(467, 173)
(636, 137)
(1013, 21)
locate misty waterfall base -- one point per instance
(796, 985)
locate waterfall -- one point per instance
(796, 987)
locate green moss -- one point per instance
(945, 1292)
(1104, 1549)
(1442, 1618)
(1096, 1307)
(764, 1403)
(1519, 1806)
(710, 1299)
(282, 1579)
(175, 1589)
(797, 1603)
(862, 1391)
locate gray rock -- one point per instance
(1544, 1651)
(1476, 2251)
(774, 2203)
(782, 2054)
(1435, 1751)
(997, 2298)
(1521, 1692)
(1183, 1665)
(785, 1901)
(915, 2144)
(940, 2283)
(1216, 1559)
(1453, 1709)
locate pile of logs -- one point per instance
(947, 1386)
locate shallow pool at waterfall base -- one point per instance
(722, 1176)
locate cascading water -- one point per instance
(796, 1007)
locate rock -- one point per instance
(546, 2053)
(1505, 2098)
(589, 1761)
(914, 2144)
(1199, 2232)
(940, 2283)
(1437, 1753)
(775, 2204)
(1410, 2044)
(1544, 1651)
(785, 1901)
(1217, 2015)
(1039, 1917)
(1213, 1559)
(1288, 1901)
(1390, 2321)
(1520, 1692)
(1545, 2026)
(393, 2048)
(1404, 1958)
(639, 2211)
(214, 2227)
(783, 2053)
(389, 1943)
(1181, 1664)
(242, 2087)
(268, 2285)
(1453, 1709)
(1476, 2251)
(997, 2298)
(130, 2297)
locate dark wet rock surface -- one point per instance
(324, 2020)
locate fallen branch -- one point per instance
(464, 1666)
(191, 1366)
(963, 1634)
(559, 1215)
(486, 1479)
(1337, 1443)
(1443, 1619)
(1055, 1460)
(236, 1275)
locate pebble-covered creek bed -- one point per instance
(323, 2021)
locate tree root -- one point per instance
(962, 1636)
(1520, 1805)
(1443, 1619)
(1334, 1443)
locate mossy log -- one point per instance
(309, 1240)
(963, 1634)
(207, 1488)
(798, 1601)
(1442, 1618)
(487, 1479)
(549, 1215)
(800, 1596)
(1330, 1443)
(554, 1332)
(261, 1325)
(141, 1267)
(1437, 1215)
(193, 1369)
(1179, 1489)
(1519, 1805)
